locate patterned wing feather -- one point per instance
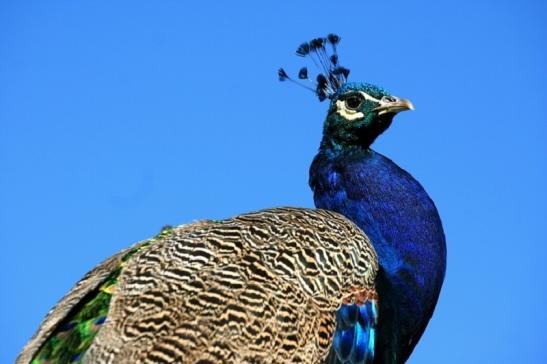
(261, 287)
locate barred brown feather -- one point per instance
(262, 287)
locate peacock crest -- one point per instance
(332, 76)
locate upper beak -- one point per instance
(394, 106)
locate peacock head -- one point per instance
(358, 112)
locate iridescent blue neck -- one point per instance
(341, 137)
(393, 209)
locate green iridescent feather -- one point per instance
(75, 334)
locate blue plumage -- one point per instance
(402, 223)
(353, 340)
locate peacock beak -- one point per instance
(393, 105)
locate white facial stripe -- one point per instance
(368, 97)
(349, 114)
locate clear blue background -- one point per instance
(116, 119)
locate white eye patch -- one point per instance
(346, 113)
(350, 114)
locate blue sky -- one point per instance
(116, 119)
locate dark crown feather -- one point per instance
(331, 75)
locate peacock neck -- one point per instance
(339, 137)
(400, 219)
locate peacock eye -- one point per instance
(353, 102)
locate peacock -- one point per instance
(353, 281)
